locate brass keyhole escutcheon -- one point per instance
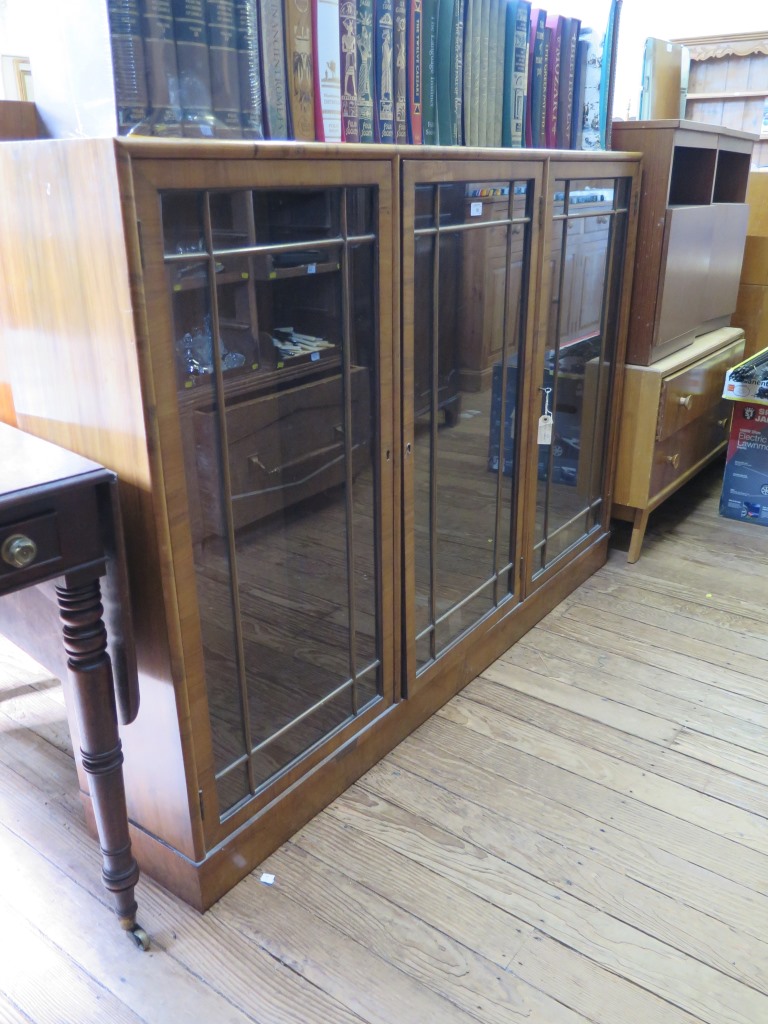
(19, 551)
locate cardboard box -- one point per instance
(748, 380)
(745, 481)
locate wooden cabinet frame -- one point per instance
(87, 360)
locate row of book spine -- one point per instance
(442, 72)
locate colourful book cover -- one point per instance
(429, 72)
(366, 70)
(301, 77)
(590, 128)
(415, 52)
(567, 82)
(400, 58)
(274, 74)
(384, 11)
(223, 58)
(327, 68)
(608, 76)
(162, 67)
(554, 53)
(535, 78)
(128, 65)
(249, 68)
(350, 122)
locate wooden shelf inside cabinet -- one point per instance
(196, 281)
(268, 267)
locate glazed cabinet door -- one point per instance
(468, 233)
(269, 298)
(583, 307)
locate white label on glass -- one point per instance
(475, 209)
(315, 356)
(545, 429)
(311, 268)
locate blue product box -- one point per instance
(745, 481)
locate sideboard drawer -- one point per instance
(686, 395)
(677, 454)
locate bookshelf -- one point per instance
(325, 543)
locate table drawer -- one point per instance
(687, 395)
(34, 542)
(677, 454)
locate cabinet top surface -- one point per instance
(27, 462)
(681, 125)
(703, 346)
(237, 149)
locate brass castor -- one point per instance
(139, 936)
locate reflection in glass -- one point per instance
(468, 304)
(587, 231)
(277, 354)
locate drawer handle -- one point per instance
(685, 401)
(673, 460)
(19, 551)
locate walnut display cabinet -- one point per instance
(319, 372)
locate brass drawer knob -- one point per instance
(19, 551)
(685, 401)
(673, 460)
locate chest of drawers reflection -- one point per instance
(319, 373)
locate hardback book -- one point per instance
(223, 57)
(366, 70)
(544, 88)
(384, 12)
(350, 124)
(469, 30)
(580, 75)
(191, 32)
(590, 128)
(401, 73)
(567, 82)
(128, 66)
(515, 72)
(608, 76)
(429, 72)
(480, 94)
(497, 64)
(249, 68)
(457, 73)
(273, 70)
(162, 67)
(535, 78)
(414, 50)
(301, 77)
(327, 67)
(555, 24)
(450, 45)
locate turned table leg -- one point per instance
(90, 670)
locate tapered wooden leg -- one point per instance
(90, 670)
(638, 533)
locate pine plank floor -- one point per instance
(580, 836)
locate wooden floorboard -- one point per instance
(580, 837)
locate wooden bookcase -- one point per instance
(325, 543)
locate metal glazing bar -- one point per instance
(227, 495)
(304, 715)
(346, 369)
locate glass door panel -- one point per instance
(466, 250)
(280, 432)
(588, 233)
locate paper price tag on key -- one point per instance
(545, 420)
